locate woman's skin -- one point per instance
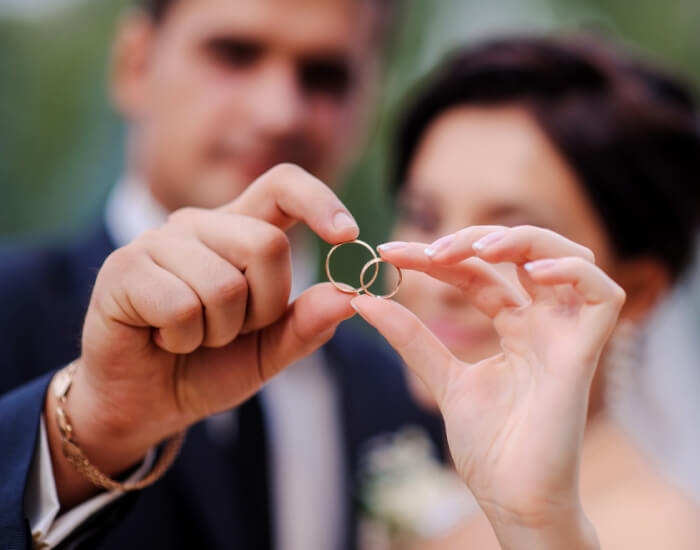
(493, 166)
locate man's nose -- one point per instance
(278, 102)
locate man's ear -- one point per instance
(130, 61)
(646, 281)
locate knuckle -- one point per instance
(187, 344)
(469, 233)
(274, 244)
(574, 262)
(260, 318)
(183, 215)
(587, 254)
(119, 258)
(184, 309)
(465, 282)
(219, 338)
(229, 287)
(280, 175)
(619, 295)
(285, 170)
(524, 231)
(183, 219)
(147, 240)
(529, 235)
(523, 237)
(122, 260)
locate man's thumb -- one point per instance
(309, 322)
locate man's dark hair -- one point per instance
(157, 9)
(629, 132)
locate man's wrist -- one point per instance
(105, 430)
(110, 455)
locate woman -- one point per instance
(569, 136)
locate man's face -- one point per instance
(222, 90)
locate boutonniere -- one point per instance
(406, 494)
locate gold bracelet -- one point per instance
(74, 454)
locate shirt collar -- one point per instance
(131, 209)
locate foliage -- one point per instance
(61, 146)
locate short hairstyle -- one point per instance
(629, 132)
(157, 9)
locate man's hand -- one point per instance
(192, 318)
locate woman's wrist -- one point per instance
(569, 529)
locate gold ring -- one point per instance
(342, 286)
(365, 287)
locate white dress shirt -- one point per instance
(301, 413)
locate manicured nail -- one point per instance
(539, 264)
(488, 240)
(353, 305)
(441, 244)
(395, 245)
(342, 220)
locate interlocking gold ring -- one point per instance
(365, 287)
(342, 286)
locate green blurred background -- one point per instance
(61, 145)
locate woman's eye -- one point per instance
(418, 218)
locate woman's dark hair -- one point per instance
(157, 8)
(629, 132)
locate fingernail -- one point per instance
(353, 305)
(391, 246)
(342, 220)
(488, 240)
(441, 244)
(539, 264)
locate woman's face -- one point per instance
(485, 166)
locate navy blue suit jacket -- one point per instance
(44, 295)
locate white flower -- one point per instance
(408, 491)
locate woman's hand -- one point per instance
(514, 421)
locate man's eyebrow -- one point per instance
(234, 48)
(234, 40)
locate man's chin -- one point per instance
(248, 169)
(218, 186)
(213, 191)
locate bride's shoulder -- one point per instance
(628, 498)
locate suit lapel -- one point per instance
(374, 401)
(225, 480)
(204, 477)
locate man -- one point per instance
(215, 93)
